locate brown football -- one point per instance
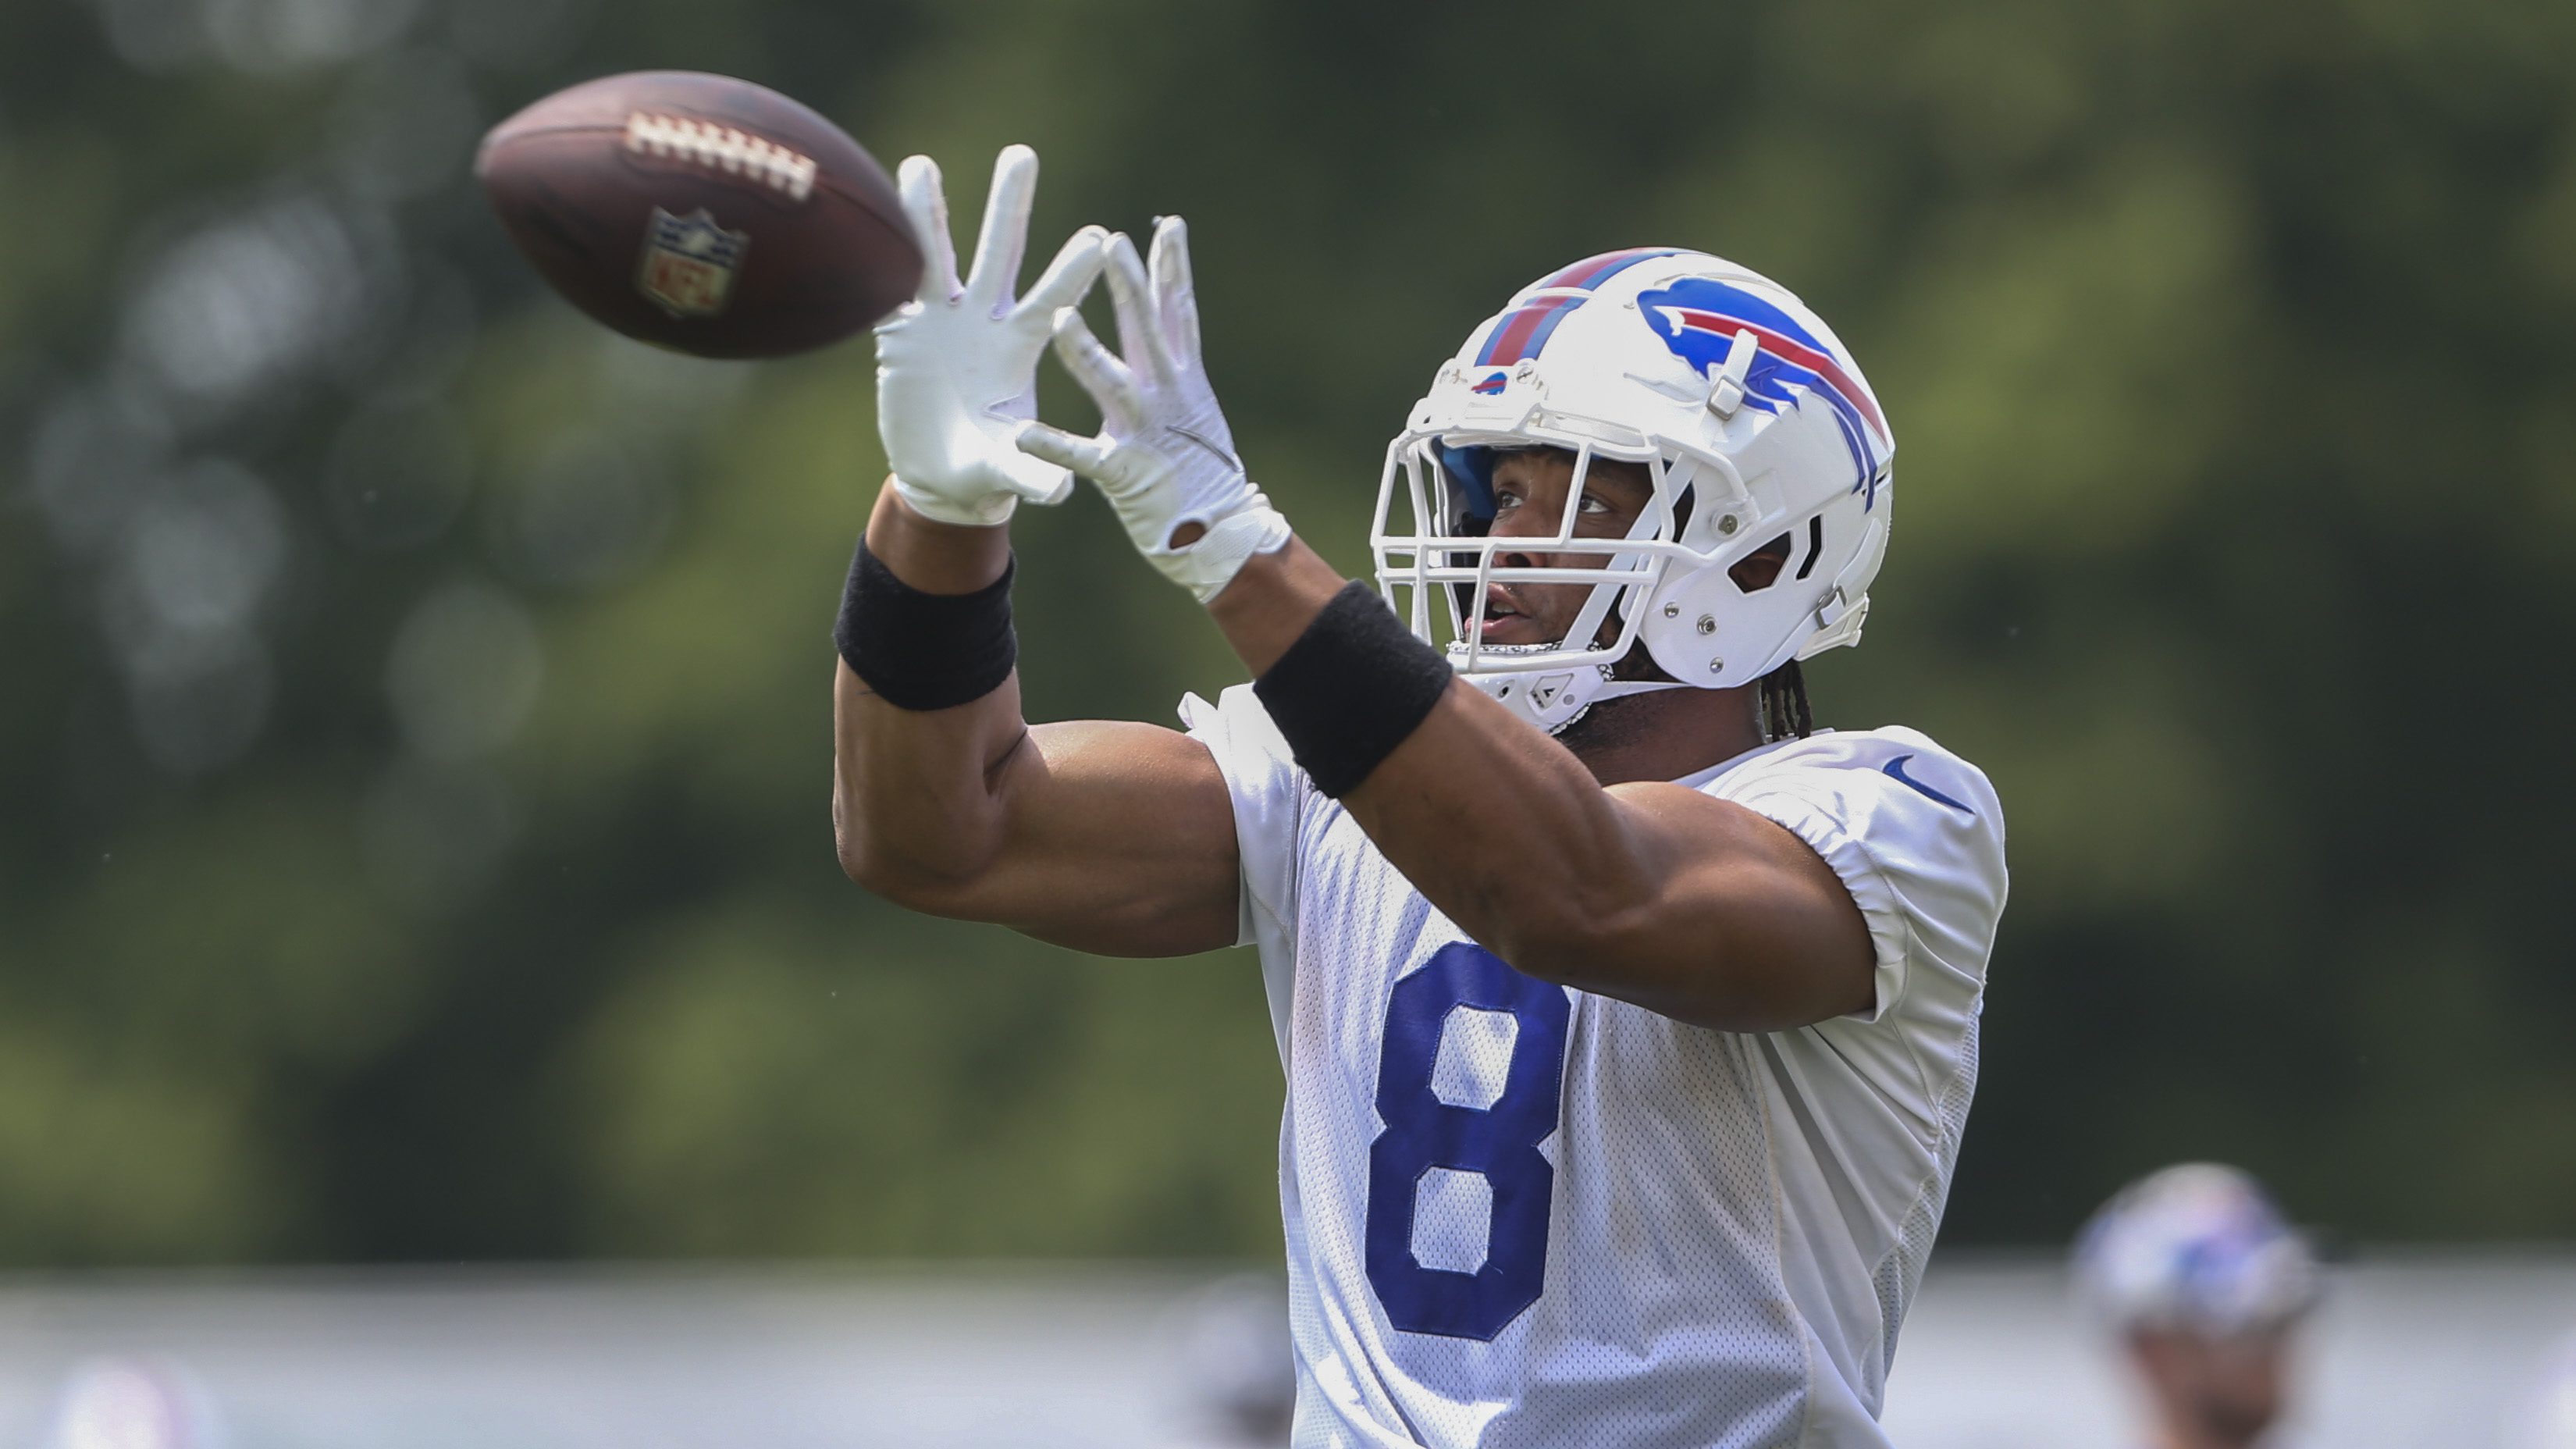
(702, 213)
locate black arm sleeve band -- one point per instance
(1351, 689)
(922, 651)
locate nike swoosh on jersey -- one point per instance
(1895, 770)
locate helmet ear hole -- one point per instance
(1761, 568)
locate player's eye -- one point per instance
(1593, 503)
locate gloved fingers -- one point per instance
(1086, 456)
(926, 204)
(1076, 266)
(1176, 303)
(1099, 371)
(1122, 269)
(1036, 480)
(1131, 292)
(1005, 237)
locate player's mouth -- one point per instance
(1505, 623)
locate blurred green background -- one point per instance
(414, 710)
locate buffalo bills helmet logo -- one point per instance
(1699, 317)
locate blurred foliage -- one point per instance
(414, 742)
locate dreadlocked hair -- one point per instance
(1782, 698)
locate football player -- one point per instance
(1629, 1022)
(2205, 1286)
(2547, 1417)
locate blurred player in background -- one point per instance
(1238, 1367)
(2206, 1287)
(1630, 1022)
(130, 1403)
(2547, 1417)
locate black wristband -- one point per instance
(923, 651)
(1351, 689)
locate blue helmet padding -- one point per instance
(1473, 471)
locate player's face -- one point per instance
(2228, 1389)
(1529, 502)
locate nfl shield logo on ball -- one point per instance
(689, 263)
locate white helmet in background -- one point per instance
(2200, 1248)
(2548, 1418)
(123, 1403)
(1755, 425)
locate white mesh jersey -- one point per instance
(1519, 1214)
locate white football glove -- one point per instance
(1164, 456)
(957, 366)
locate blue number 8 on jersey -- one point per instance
(1498, 1142)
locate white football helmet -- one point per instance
(2197, 1247)
(2548, 1416)
(1752, 419)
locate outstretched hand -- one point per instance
(1164, 456)
(957, 365)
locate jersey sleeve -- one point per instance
(1917, 836)
(1269, 794)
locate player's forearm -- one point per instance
(936, 558)
(1475, 807)
(1271, 601)
(917, 794)
(1656, 895)
(1652, 893)
(1508, 833)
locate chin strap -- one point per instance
(1612, 690)
(1551, 699)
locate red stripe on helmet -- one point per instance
(1820, 363)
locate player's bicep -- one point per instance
(1120, 841)
(1750, 929)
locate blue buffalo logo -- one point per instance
(1699, 317)
(1491, 385)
